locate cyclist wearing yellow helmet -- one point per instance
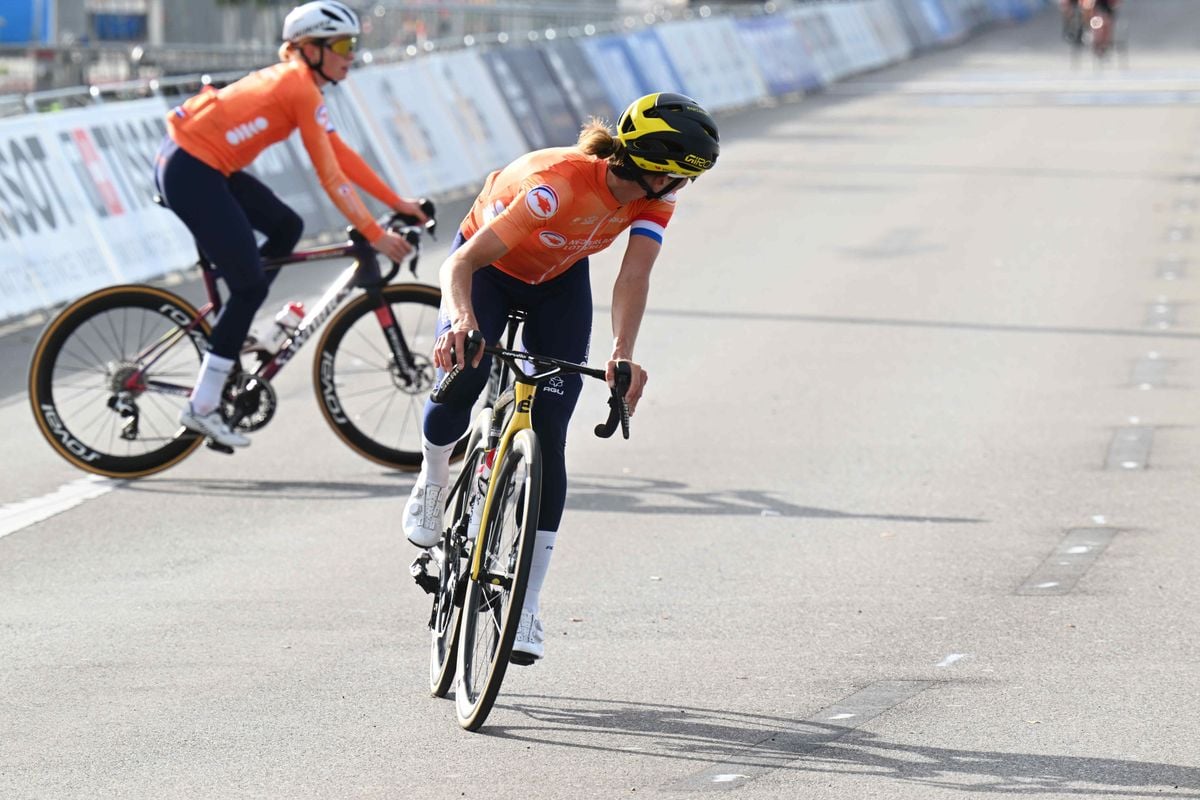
(525, 243)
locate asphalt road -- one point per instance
(908, 512)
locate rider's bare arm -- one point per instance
(482, 249)
(630, 291)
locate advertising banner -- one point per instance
(821, 41)
(76, 204)
(654, 63)
(580, 84)
(862, 50)
(523, 71)
(482, 119)
(712, 62)
(919, 29)
(885, 18)
(782, 57)
(411, 121)
(613, 63)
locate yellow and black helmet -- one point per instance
(667, 132)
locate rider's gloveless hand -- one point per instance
(392, 245)
(637, 383)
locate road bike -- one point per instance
(479, 572)
(111, 372)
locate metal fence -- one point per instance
(64, 76)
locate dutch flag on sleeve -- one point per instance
(650, 225)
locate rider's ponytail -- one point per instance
(596, 139)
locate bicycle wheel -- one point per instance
(492, 606)
(110, 375)
(454, 562)
(372, 403)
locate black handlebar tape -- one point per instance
(473, 343)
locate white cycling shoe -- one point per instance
(212, 425)
(422, 522)
(529, 645)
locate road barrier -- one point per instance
(76, 186)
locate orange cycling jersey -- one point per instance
(228, 128)
(553, 207)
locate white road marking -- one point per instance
(950, 659)
(17, 516)
(728, 778)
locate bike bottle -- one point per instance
(480, 494)
(285, 325)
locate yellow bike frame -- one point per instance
(520, 420)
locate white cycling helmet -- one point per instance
(320, 19)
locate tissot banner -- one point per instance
(76, 204)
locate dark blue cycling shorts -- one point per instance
(559, 325)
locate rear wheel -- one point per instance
(492, 606)
(374, 404)
(110, 375)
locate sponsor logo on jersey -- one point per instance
(246, 131)
(542, 201)
(323, 118)
(554, 385)
(552, 239)
(492, 211)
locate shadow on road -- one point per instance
(275, 489)
(654, 496)
(756, 743)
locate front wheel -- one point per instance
(372, 399)
(454, 564)
(492, 607)
(110, 375)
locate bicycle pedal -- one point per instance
(418, 570)
(220, 448)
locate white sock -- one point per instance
(436, 462)
(543, 548)
(214, 371)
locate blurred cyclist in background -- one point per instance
(1072, 21)
(1101, 16)
(525, 243)
(213, 136)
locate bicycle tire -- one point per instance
(76, 367)
(511, 530)
(447, 602)
(358, 386)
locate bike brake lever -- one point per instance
(618, 409)
(473, 343)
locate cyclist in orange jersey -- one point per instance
(525, 243)
(215, 135)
